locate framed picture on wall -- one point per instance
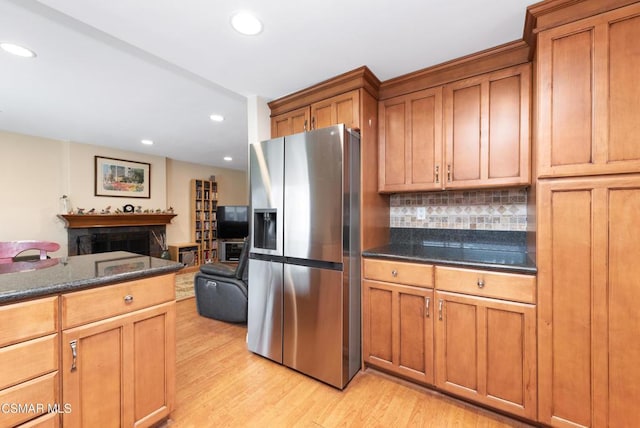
(122, 178)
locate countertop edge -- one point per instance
(66, 287)
(456, 263)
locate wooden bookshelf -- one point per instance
(204, 226)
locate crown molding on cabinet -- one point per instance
(551, 13)
(358, 78)
(503, 56)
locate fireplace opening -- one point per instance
(134, 239)
(134, 242)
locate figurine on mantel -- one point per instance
(107, 210)
(139, 209)
(65, 205)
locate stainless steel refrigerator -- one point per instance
(304, 261)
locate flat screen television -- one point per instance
(233, 221)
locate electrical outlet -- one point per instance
(421, 213)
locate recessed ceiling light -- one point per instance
(246, 23)
(216, 117)
(17, 50)
(147, 142)
(228, 158)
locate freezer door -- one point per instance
(313, 323)
(313, 195)
(266, 170)
(264, 320)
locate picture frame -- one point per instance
(122, 265)
(122, 178)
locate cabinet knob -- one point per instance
(394, 273)
(480, 283)
(128, 298)
(449, 173)
(437, 173)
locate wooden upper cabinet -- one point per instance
(486, 128)
(410, 131)
(292, 122)
(344, 108)
(588, 95)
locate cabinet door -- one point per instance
(291, 122)
(487, 129)
(588, 96)
(344, 108)
(588, 323)
(411, 142)
(398, 329)
(120, 371)
(486, 351)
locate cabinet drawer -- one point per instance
(50, 420)
(87, 306)
(508, 286)
(27, 320)
(28, 360)
(29, 399)
(417, 274)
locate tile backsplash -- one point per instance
(474, 210)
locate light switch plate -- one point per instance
(421, 213)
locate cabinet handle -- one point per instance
(437, 173)
(480, 283)
(128, 298)
(74, 354)
(305, 125)
(449, 172)
(313, 122)
(394, 273)
(440, 304)
(427, 303)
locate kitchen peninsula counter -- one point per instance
(70, 323)
(31, 279)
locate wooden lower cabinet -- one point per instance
(486, 351)
(588, 320)
(120, 371)
(29, 357)
(398, 329)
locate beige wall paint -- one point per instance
(232, 190)
(81, 172)
(36, 172)
(32, 183)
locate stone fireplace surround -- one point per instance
(122, 232)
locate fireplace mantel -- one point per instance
(81, 221)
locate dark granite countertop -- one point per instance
(500, 252)
(29, 279)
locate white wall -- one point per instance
(36, 172)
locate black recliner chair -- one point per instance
(221, 292)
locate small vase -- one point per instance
(165, 255)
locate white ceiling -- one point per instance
(111, 73)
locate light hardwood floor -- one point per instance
(221, 384)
